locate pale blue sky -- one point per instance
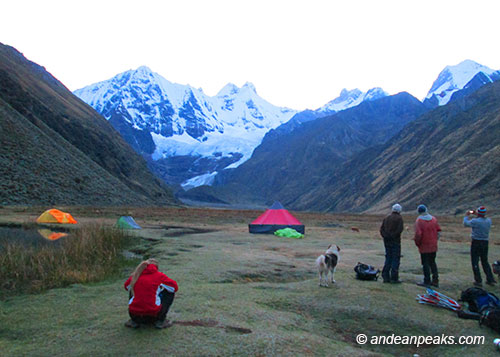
(298, 54)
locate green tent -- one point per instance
(127, 222)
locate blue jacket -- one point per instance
(480, 227)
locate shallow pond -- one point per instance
(33, 236)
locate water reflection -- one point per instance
(30, 237)
(51, 235)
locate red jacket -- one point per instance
(426, 234)
(146, 299)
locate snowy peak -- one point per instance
(249, 86)
(455, 78)
(178, 120)
(231, 89)
(375, 93)
(351, 98)
(228, 90)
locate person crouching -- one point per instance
(151, 294)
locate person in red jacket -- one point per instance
(151, 294)
(427, 231)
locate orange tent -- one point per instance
(55, 216)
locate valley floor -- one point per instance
(242, 294)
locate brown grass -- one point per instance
(90, 254)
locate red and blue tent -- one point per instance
(274, 218)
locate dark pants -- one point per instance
(479, 250)
(167, 299)
(429, 265)
(390, 272)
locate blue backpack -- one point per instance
(479, 299)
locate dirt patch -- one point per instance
(239, 330)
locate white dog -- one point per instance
(327, 263)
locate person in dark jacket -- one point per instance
(427, 232)
(479, 246)
(390, 230)
(151, 294)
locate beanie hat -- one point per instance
(481, 211)
(396, 208)
(422, 209)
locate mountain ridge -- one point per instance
(447, 159)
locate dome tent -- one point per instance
(127, 222)
(56, 216)
(274, 218)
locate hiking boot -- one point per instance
(478, 284)
(162, 324)
(424, 284)
(131, 323)
(435, 283)
(491, 283)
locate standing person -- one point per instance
(479, 246)
(390, 230)
(427, 233)
(151, 293)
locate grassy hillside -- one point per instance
(30, 94)
(252, 295)
(40, 168)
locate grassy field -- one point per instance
(250, 295)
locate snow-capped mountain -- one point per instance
(351, 98)
(455, 78)
(164, 120)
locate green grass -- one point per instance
(257, 295)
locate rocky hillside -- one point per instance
(57, 150)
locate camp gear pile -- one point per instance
(479, 299)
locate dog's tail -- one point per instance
(320, 261)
